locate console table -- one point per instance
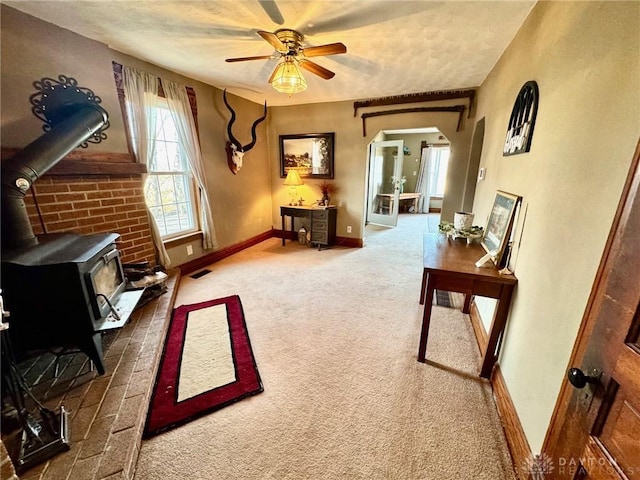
(385, 200)
(449, 265)
(322, 222)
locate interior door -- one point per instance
(595, 429)
(385, 165)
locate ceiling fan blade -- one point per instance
(329, 49)
(317, 69)
(271, 9)
(273, 40)
(244, 59)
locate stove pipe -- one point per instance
(26, 166)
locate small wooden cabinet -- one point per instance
(323, 226)
(322, 222)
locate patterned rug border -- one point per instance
(165, 412)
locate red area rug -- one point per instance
(207, 364)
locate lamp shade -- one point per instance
(287, 77)
(293, 178)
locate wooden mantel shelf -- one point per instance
(90, 163)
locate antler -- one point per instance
(232, 139)
(249, 146)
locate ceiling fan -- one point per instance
(289, 48)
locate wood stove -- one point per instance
(64, 291)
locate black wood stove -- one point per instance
(63, 292)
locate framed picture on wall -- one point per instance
(310, 154)
(498, 230)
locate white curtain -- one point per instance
(178, 103)
(422, 183)
(141, 93)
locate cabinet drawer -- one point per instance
(319, 225)
(320, 215)
(319, 236)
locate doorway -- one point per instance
(384, 182)
(404, 166)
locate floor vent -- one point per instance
(201, 273)
(443, 299)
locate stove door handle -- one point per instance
(107, 257)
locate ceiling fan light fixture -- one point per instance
(287, 77)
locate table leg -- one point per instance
(283, 231)
(466, 308)
(293, 233)
(496, 331)
(426, 320)
(424, 286)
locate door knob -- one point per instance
(578, 379)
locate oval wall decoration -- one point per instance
(522, 121)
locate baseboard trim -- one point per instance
(349, 242)
(478, 327)
(288, 234)
(339, 242)
(201, 262)
(516, 439)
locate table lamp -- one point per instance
(293, 181)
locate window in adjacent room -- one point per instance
(438, 171)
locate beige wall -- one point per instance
(32, 49)
(585, 58)
(351, 154)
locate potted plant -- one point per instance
(451, 231)
(398, 182)
(327, 188)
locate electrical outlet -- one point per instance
(349, 229)
(189, 250)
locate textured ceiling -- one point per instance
(393, 47)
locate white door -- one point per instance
(385, 166)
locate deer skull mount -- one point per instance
(235, 150)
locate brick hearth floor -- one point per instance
(106, 412)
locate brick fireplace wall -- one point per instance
(89, 204)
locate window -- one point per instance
(169, 188)
(438, 173)
(175, 191)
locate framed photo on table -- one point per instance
(310, 154)
(498, 231)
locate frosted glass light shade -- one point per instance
(287, 78)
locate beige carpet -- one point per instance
(207, 356)
(335, 336)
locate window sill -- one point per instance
(177, 241)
